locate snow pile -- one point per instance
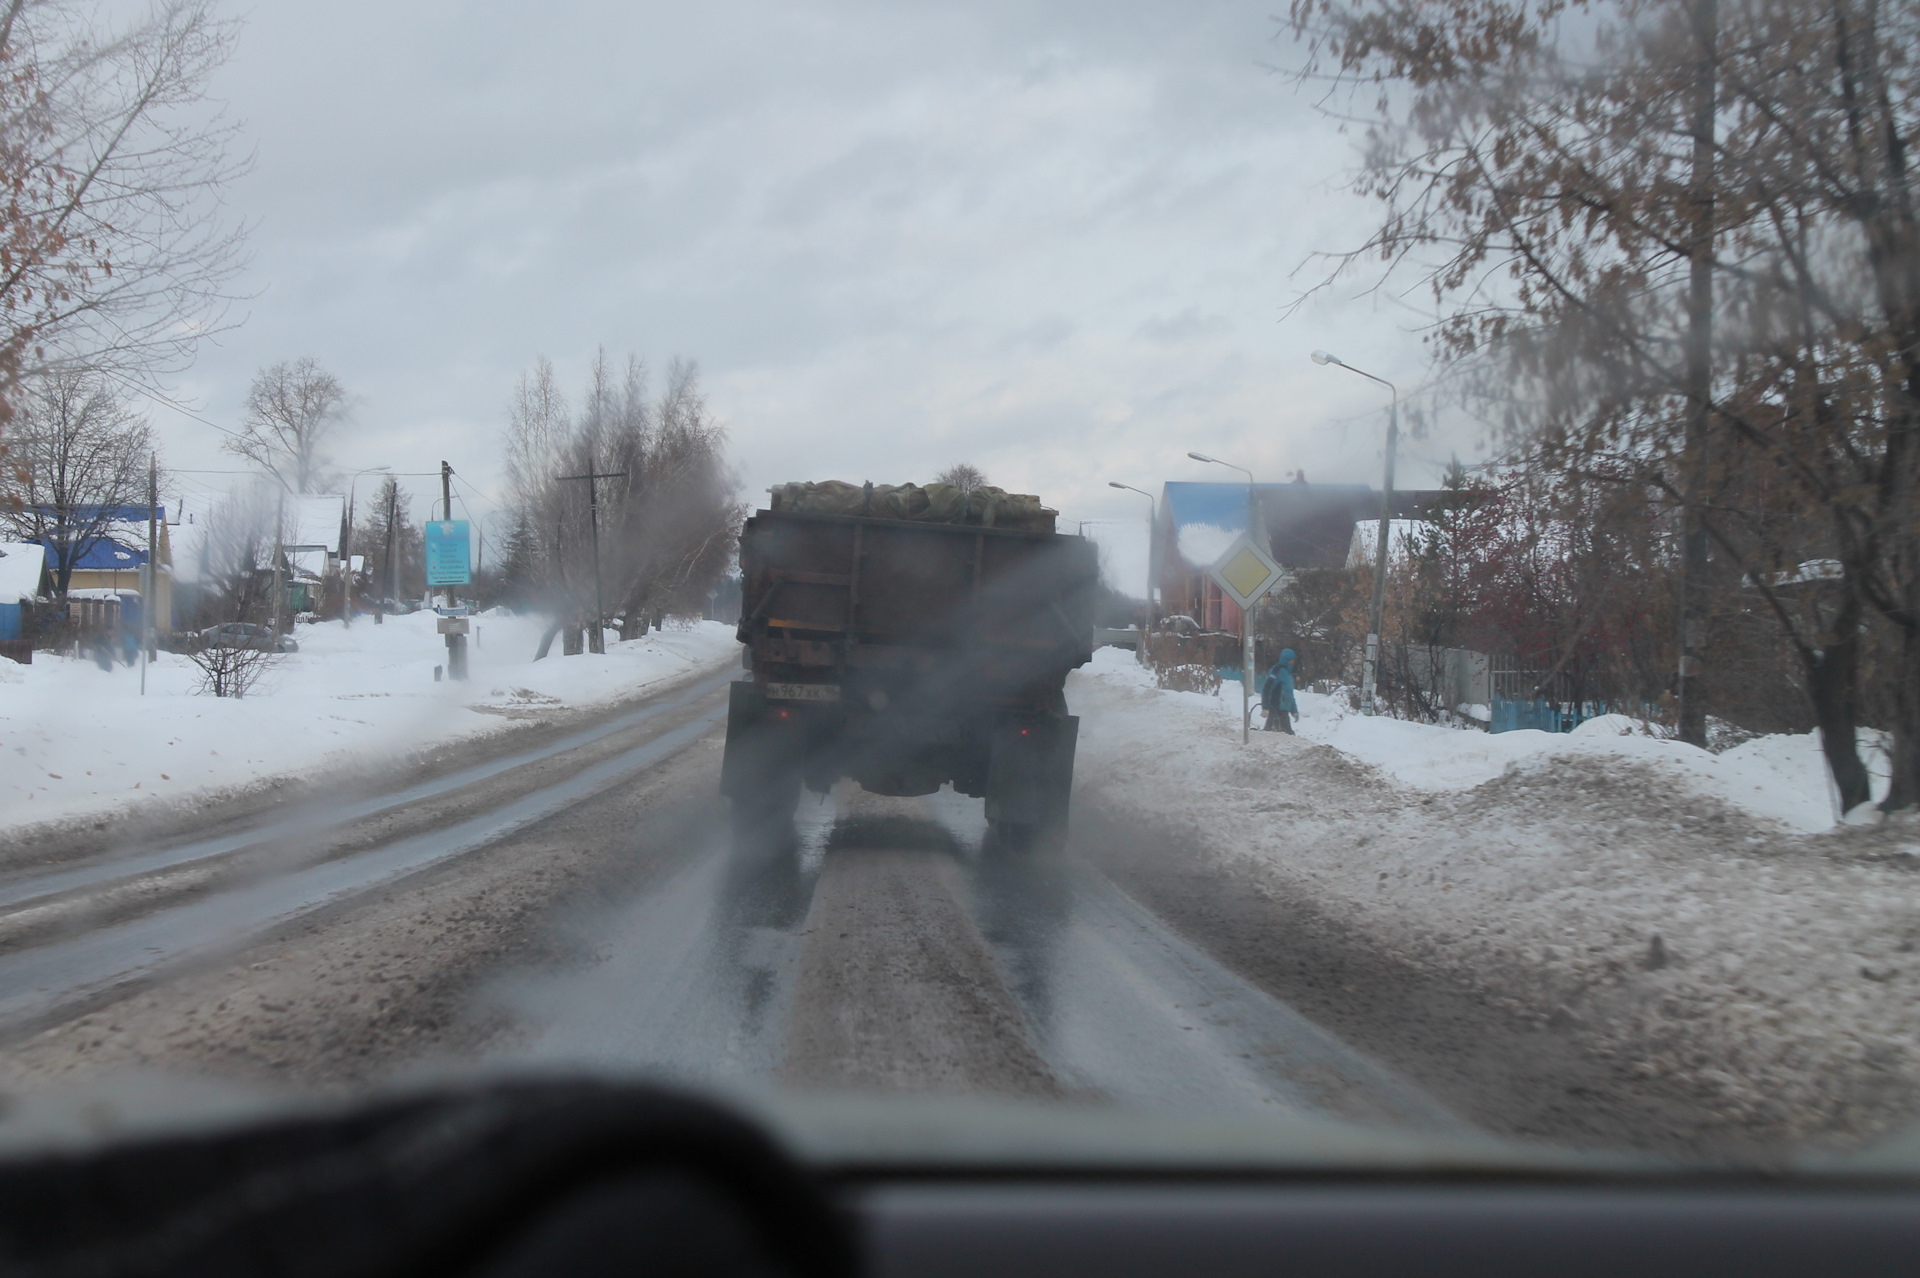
(1785, 981)
(78, 739)
(1778, 778)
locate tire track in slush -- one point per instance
(37, 983)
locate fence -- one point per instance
(1557, 702)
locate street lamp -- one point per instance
(1246, 614)
(1153, 509)
(1369, 676)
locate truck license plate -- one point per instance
(803, 691)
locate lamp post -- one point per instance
(1246, 614)
(1153, 510)
(1369, 676)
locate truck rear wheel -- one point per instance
(760, 771)
(1030, 781)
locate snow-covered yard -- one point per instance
(79, 740)
(1693, 917)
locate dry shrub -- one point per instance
(230, 672)
(1184, 663)
(1188, 678)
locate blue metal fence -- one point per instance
(1510, 715)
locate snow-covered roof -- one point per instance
(1366, 541)
(1809, 571)
(316, 520)
(309, 565)
(111, 553)
(21, 563)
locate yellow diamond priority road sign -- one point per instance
(1246, 571)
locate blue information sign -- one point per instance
(447, 553)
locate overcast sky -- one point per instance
(1055, 240)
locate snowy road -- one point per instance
(891, 948)
(72, 935)
(885, 945)
(1231, 931)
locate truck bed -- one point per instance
(841, 591)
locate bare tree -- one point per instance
(291, 409)
(679, 523)
(117, 251)
(78, 460)
(1679, 241)
(666, 515)
(963, 475)
(236, 556)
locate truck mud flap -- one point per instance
(1030, 770)
(765, 747)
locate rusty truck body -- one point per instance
(905, 655)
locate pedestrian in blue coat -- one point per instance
(1277, 697)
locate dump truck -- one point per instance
(907, 638)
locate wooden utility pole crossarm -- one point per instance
(596, 641)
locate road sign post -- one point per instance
(1245, 573)
(447, 543)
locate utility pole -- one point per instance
(456, 644)
(150, 594)
(1691, 705)
(1248, 616)
(386, 558)
(279, 554)
(346, 563)
(596, 640)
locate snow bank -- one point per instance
(1778, 778)
(1785, 982)
(80, 740)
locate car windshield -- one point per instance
(1326, 589)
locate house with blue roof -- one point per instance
(1303, 525)
(98, 553)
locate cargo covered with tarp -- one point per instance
(983, 507)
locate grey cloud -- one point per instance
(893, 235)
(1185, 326)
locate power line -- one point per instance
(175, 405)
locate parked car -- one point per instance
(247, 634)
